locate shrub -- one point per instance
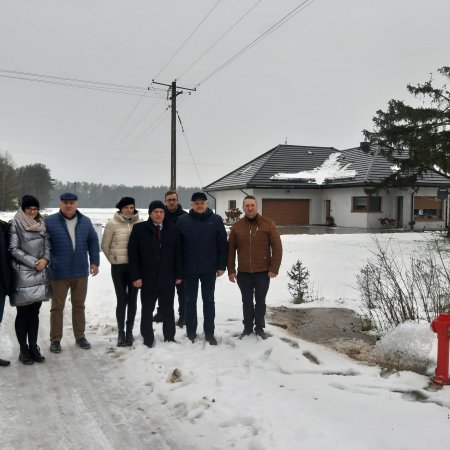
(299, 287)
(394, 291)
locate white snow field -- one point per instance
(243, 394)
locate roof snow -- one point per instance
(331, 169)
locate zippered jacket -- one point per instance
(258, 246)
(65, 261)
(115, 238)
(204, 242)
(27, 247)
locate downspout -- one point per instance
(215, 201)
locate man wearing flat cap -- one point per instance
(154, 258)
(204, 242)
(75, 253)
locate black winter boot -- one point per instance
(25, 355)
(129, 337)
(121, 342)
(35, 352)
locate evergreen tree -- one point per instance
(415, 138)
(35, 179)
(8, 183)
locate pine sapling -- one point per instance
(298, 287)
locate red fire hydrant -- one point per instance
(441, 326)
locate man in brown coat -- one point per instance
(259, 251)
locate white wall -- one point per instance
(340, 202)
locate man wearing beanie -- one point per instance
(75, 254)
(154, 256)
(204, 242)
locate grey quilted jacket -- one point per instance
(27, 247)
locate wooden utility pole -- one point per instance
(173, 130)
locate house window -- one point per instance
(427, 208)
(366, 204)
(231, 204)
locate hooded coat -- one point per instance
(27, 246)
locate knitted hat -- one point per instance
(68, 196)
(155, 204)
(125, 201)
(198, 196)
(28, 201)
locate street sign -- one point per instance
(442, 193)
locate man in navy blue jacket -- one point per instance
(204, 242)
(75, 252)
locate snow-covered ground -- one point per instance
(242, 394)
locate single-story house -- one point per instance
(301, 185)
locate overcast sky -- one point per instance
(316, 80)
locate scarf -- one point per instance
(28, 223)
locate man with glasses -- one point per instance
(173, 210)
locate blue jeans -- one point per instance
(208, 285)
(2, 306)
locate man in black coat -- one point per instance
(204, 242)
(5, 274)
(154, 255)
(173, 210)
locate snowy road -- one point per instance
(74, 400)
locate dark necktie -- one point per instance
(158, 231)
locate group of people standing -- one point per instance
(171, 250)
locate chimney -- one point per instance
(365, 146)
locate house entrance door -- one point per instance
(327, 210)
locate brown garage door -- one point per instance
(286, 211)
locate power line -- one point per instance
(80, 86)
(188, 38)
(221, 37)
(190, 151)
(78, 80)
(304, 4)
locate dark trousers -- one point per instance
(149, 296)
(181, 294)
(27, 324)
(126, 295)
(253, 285)
(2, 306)
(208, 285)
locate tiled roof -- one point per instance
(370, 167)
(283, 158)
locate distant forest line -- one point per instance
(35, 179)
(95, 195)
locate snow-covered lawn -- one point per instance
(242, 394)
